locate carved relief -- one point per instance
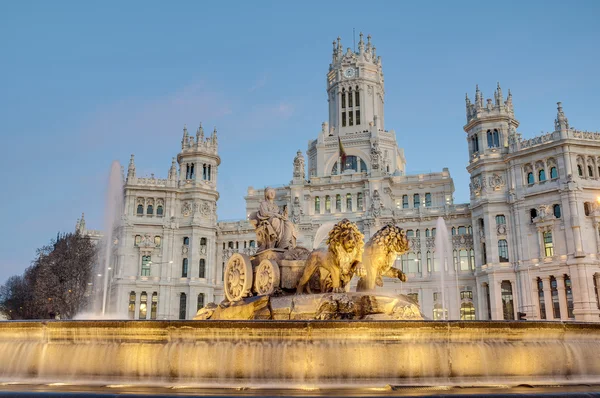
(496, 182)
(462, 242)
(186, 209)
(205, 209)
(501, 229)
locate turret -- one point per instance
(198, 160)
(173, 170)
(185, 139)
(131, 168)
(488, 127)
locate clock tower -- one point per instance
(355, 89)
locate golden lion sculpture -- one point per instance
(379, 256)
(338, 263)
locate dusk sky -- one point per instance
(86, 83)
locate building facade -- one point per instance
(527, 242)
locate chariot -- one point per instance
(264, 273)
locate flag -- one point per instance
(342, 155)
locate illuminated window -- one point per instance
(157, 241)
(143, 305)
(439, 313)
(548, 244)
(359, 201)
(317, 205)
(138, 240)
(131, 307)
(463, 257)
(327, 204)
(182, 305)
(348, 202)
(467, 311)
(338, 202)
(154, 306)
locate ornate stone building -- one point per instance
(527, 242)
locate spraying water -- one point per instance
(322, 233)
(442, 253)
(112, 214)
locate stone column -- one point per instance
(562, 297)
(585, 306)
(513, 290)
(481, 313)
(548, 298)
(496, 299)
(535, 302)
(597, 293)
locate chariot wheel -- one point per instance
(238, 277)
(267, 277)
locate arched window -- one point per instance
(410, 233)
(541, 301)
(590, 171)
(350, 98)
(209, 172)
(202, 242)
(428, 200)
(553, 173)
(439, 313)
(556, 211)
(352, 163)
(503, 251)
(317, 205)
(483, 254)
(500, 219)
(432, 231)
(532, 214)
(453, 230)
(200, 301)
(555, 300)
(138, 240)
(490, 139)
(359, 201)
(428, 259)
(343, 98)
(357, 99)
(462, 230)
(202, 269)
(530, 179)
(154, 306)
(496, 139)
(548, 244)
(140, 209)
(182, 305)
(159, 210)
(150, 210)
(416, 201)
(348, 202)
(580, 170)
(508, 309)
(470, 230)
(252, 243)
(587, 208)
(184, 268)
(131, 308)
(569, 294)
(186, 241)
(146, 261)
(542, 175)
(157, 241)
(327, 204)
(467, 311)
(143, 305)
(427, 233)
(405, 201)
(338, 202)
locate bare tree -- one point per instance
(55, 285)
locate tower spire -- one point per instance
(131, 168)
(361, 44)
(173, 170)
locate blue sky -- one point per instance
(86, 83)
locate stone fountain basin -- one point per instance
(299, 352)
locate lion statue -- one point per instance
(337, 264)
(380, 253)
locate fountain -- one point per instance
(290, 322)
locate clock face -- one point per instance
(349, 72)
